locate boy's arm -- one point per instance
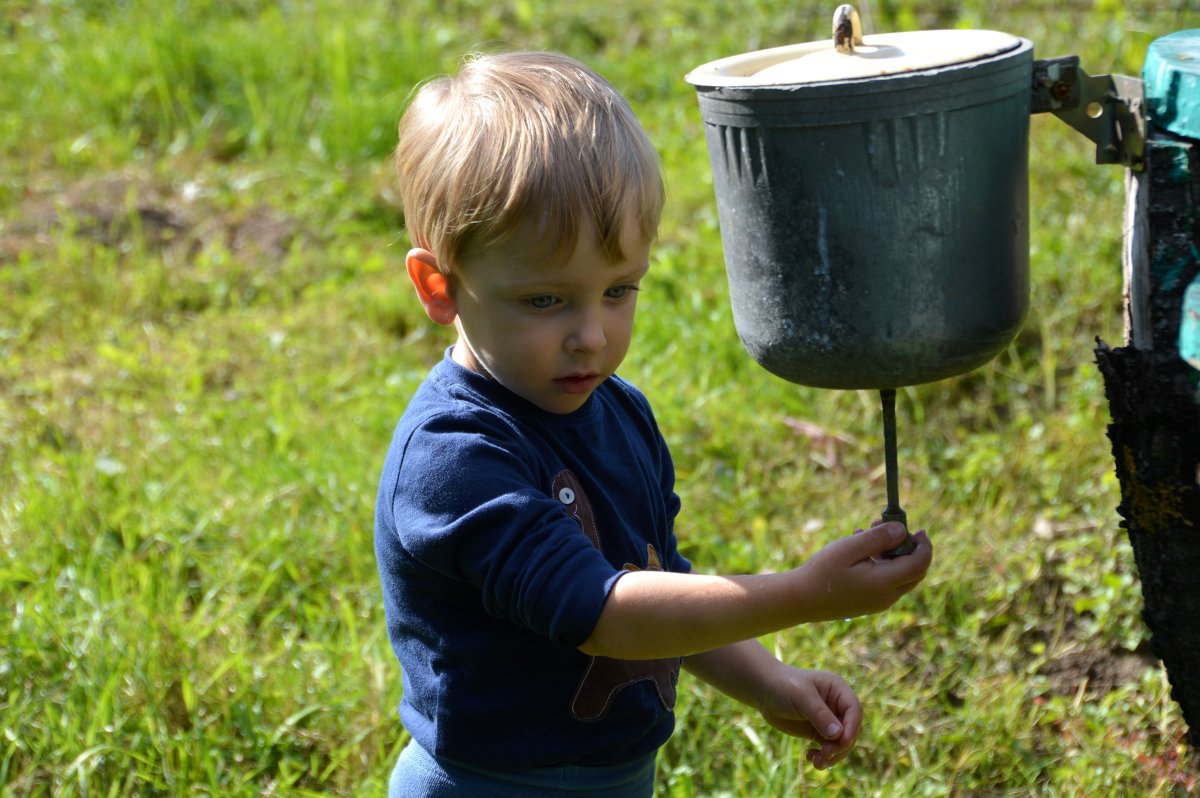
(737, 670)
(656, 614)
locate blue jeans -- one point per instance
(419, 775)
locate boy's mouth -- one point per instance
(578, 383)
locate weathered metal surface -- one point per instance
(893, 511)
(1055, 84)
(1107, 109)
(876, 232)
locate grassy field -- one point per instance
(206, 338)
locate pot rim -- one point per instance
(883, 56)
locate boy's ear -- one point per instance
(433, 289)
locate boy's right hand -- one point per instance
(850, 577)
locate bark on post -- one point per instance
(1153, 390)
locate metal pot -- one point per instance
(875, 220)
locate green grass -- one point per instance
(205, 339)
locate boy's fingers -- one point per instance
(797, 727)
(875, 541)
(918, 559)
(819, 715)
(829, 753)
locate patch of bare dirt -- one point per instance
(129, 208)
(1095, 672)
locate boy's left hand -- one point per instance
(817, 706)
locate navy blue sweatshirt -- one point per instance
(500, 529)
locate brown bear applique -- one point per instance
(605, 677)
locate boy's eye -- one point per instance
(541, 302)
(620, 291)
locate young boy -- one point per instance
(535, 594)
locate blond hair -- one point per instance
(519, 139)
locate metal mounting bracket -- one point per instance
(1105, 108)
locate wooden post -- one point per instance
(1153, 390)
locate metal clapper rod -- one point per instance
(893, 511)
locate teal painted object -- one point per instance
(1189, 325)
(1171, 77)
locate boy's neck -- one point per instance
(463, 356)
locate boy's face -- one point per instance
(549, 331)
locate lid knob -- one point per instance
(847, 29)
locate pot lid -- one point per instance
(871, 57)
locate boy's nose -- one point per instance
(588, 334)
